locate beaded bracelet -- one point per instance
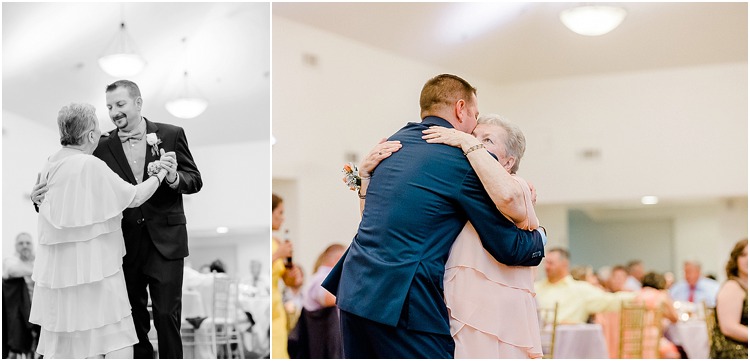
(480, 145)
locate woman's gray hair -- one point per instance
(74, 120)
(515, 143)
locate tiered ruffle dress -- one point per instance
(80, 299)
(491, 305)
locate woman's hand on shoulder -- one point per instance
(449, 136)
(384, 149)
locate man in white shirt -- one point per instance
(695, 288)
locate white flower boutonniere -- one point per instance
(154, 142)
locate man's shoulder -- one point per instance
(166, 127)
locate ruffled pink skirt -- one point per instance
(491, 305)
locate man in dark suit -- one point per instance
(389, 284)
(155, 234)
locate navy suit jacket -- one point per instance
(418, 201)
(163, 213)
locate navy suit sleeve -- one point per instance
(500, 237)
(190, 177)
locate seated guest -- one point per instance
(577, 300)
(318, 333)
(695, 288)
(656, 299)
(217, 266)
(729, 336)
(635, 275)
(17, 294)
(618, 279)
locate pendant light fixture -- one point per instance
(187, 104)
(121, 59)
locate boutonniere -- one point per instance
(154, 142)
(351, 176)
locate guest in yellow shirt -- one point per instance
(577, 300)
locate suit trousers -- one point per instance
(365, 338)
(144, 267)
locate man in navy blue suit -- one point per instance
(389, 284)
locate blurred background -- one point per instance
(657, 107)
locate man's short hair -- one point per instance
(632, 264)
(444, 90)
(132, 88)
(562, 251)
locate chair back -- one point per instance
(632, 325)
(709, 314)
(548, 327)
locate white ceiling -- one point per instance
(512, 42)
(50, 53)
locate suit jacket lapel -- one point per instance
(115, 146)
(150, 157)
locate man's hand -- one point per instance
(168, 161)
(39, 190)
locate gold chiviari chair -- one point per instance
(709, 314)
(547, 327)
(632, 325)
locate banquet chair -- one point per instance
(225, 319)
(709, 314)
(632, 316)
(547, 328)
(640, 331)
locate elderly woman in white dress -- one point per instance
(80, 300)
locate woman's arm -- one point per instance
(146, 189)
(383, 150)
(668, 308)
(505, 192)
(729, 311)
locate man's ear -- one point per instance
(458, 108)
(139, 102)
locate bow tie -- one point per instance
(125, 136)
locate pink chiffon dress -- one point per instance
(491, 306)
(80, 300)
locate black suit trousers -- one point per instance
(145, 268)
(364, 338)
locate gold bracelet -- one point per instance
(480, 145)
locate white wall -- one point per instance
(676, 133)
(673, 133)
(26, 146)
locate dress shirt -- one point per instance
(705, 291)
(577, 299)
(315, 293)
(135, 152)
(632, 284)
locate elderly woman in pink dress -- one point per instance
(80, 300)
(491, 305)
